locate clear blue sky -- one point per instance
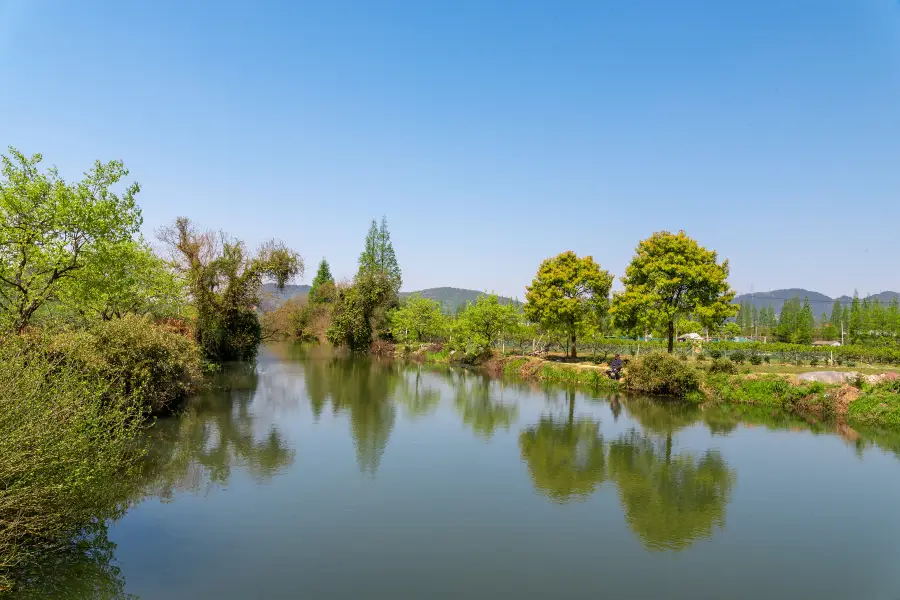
(491, 134)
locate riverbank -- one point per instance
(870, 401)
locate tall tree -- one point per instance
(322, 289)
(855, 322)
(50, 229)
(224, 279)
(805, 323)
(566, 293)
(836, 316)
(378, 255)
(672, 275)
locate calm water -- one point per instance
(321, 477)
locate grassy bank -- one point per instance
(72, 408)
(720, 382)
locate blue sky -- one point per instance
(491, 134)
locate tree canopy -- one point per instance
(671, 275)
(417, 319)
(378, 255)
(50, 229)
(568, 293)
(322, 289)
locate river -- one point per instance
(314, 476)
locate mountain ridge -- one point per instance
(820, 303)
(450, 297)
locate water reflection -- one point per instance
(480, 408)
(199, 449)
(670, 501)
(565, 456)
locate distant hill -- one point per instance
(272, 297)
(450, 298)
(820, 303)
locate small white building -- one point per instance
(690, 337)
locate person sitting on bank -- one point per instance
(615, 367)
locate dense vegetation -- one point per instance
(98, 332)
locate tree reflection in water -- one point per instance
(670, 499)
(480, 408)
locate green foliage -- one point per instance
(479, 326)
(417, 319)
(50, 230)
(568, 294)
(361, 311)
(140, 361)
(64, 451)
(715, 354)
(378, 256)
(125, 278)
(756, 359)
(723, 365)
(661, 374)
(738, 357)
(671, 275)
(731, 330)
(323, 288)
(224, 281)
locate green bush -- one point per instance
(723, 365)
(755, 359)
(767, 359)
(701, 357)
(738, 357)
(814, 362)
(715, 354)
(65, 451)
(661, 374)
(136, 359)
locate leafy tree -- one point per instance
(125, 278)
(754, 321)
(50, 230)
(322, 289)
(672, 275)
(479, 326)
(224, 281)
(418, 319)
(378, 255)
(730, 330)
(566, 292)
(360, 311)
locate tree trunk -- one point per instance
(574, 350)
(671, 336)
(571, 394)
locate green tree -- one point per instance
(730, 330)
(672, 275)
(50, 230)
(125, 278)
(856, 319)
(805, 324)
(836, 318)
(361, 311)
(417, 319)
(322, 289)
(378, 255)
(566, 293)
(224, 281)
(479, 326)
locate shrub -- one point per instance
(715, 354)
(814, 362)
(683, 357)
(64, 450)
(723, 365)
(755, 359)
(767, 359)
(839, 361)
(701, 357)
(738, 357)
(662, 374)
(851, 364)
(136, 359)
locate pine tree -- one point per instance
(378, 255)
(855, 320)
(893, 317)
(323, 276)
(805, 323)
(836, 315)
(754, 317)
